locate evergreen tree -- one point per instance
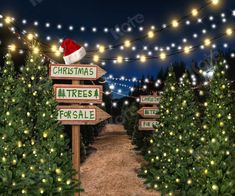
(215, 166)
(37, 159)
(155, 171)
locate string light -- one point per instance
(175, 23)
(127, 43)
(30, 36)
(143, 59)
(215, 2)
(120, 59)
(162, 55)
(101, 49)
(187, 49)
(194, 12)
(96, 58)
(8, 20)
(229, 31)
(207, 42)
(151, 34)
(12, 47)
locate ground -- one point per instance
(112, 169)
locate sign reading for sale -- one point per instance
(81, 115)
(78, 93)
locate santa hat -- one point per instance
(73, 52)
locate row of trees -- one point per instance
(192, 152)
(35, 151)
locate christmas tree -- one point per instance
(154, 170)
(37, 159)
(171, 156)
(215, 165)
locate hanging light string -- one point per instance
(175, 23)
(142, 58)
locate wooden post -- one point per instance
(76, 147)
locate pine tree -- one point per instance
(155, 170)
(37, 158)
(215, 165)
(7, 84)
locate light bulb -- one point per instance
(194, 12)
(175, 23)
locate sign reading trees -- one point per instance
(78, 93)
(75, 72)
(150, 113)
(81, 115)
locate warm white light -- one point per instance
(151, 34)
(35, 50)
(127, 43)
(96, 58)
(30, 36)
(215, 2)
(194, 12)
(101, 49)
(143, 59)
(207, 42)
(175, 23)
(12, 47)
(187, 49)
(8, 20)
(162, 56)
(229, 31)
(119, 59)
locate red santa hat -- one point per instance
(73, 52)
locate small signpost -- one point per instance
(151, 99)
(147, 125)
(77, 94)
(150, 113)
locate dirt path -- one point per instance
(111, 170)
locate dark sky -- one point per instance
(108, 13)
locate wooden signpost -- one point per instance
(150, 113)
(78, 94)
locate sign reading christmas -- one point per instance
(148, 124)
(149, 112)
(75, 72)
(150, 99)
(81, 115)
(78, 93)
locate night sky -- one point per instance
(107, 13)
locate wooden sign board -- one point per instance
(150, 99)
(147, 125)
(81, 115)
(75, 72)
(149, 112)
(67, 93)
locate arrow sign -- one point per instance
(149, 112)
(75, 72)
(81, 115)
(150, 99)
(67, 93)
(148, 124)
